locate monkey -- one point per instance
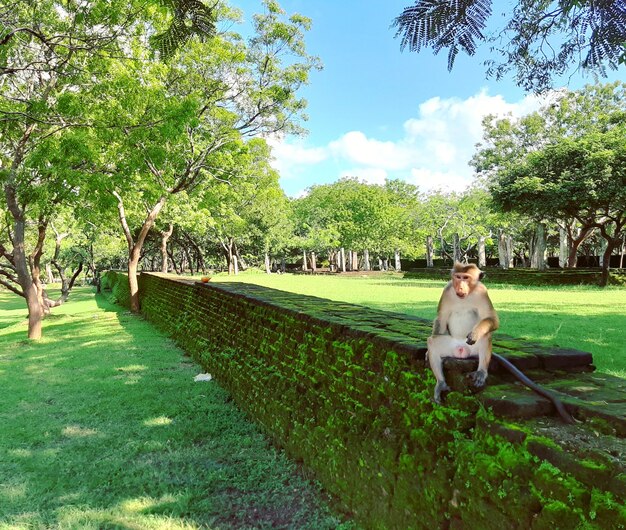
(463, 327)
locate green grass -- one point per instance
(586, 318)
(103, 426)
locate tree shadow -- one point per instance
(108, 429)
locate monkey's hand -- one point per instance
(479, 378)
(440, 388)
(471, 338)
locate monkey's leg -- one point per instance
(483, 347)
(439, 346)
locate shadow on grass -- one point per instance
(104, 427)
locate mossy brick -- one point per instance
(329, 409)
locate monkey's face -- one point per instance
(463, 284)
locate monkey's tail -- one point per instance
(567, 418)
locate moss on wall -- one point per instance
(355, 407)
(114, 285)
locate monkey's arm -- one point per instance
(440, 325)
(488, 322)
(485, 326)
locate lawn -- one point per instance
(103, 426)
(585, 318)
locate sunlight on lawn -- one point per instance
(107, 429)
(585, 318)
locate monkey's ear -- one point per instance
(481, 275)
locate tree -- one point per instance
(51, 56)
(571, 115)
(582, 178)
(247, 210)
(202, 106)
(538, 41)
(459, 220)
(45, 55)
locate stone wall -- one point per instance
(346, 390)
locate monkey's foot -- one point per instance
(440, 388)
(478, 378)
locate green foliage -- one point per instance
(355, 215)
(539, 41)
(440, 25)
(190, 18)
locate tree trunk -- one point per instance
(482, 258)
(165, 235)
(398, 263)
(429, 252)
(134, 247)
(343, 259)
(456, 249)
(18, 257)
(313, 261)
(612, 241)
(509, 251)
(188, 259)
(132, 281)
(173, 262)
(574, 242)
(603, 248)
(305, 266)
(268, 268)
(241, 263)
(229, 252)
(332, 260)
(366, 260)
(49, 274)
(563, 250)
(235, 264)
(66, 285)
(538, 248)
(503, 255)
(34, 301)
(354, 261)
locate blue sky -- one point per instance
(378, 113)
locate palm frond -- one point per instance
(191, 18)
(438, 24)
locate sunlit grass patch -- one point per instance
(104, 427)
(582, 317)
(157, 422)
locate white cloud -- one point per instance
(433, 150)
(289, 156)
(355, 147)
